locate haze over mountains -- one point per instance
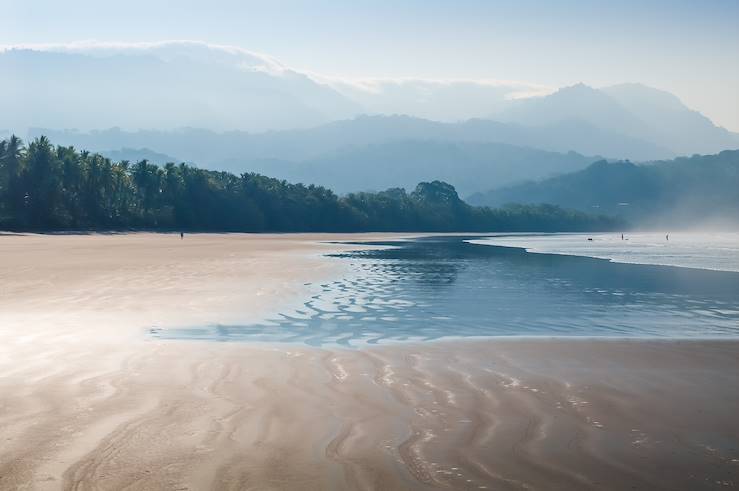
(307, 144)
(366, 153)
(631, 110)
(190, 84)
(226, 108)
(692, 191)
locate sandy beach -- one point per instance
(89, 401)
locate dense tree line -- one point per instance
(47, 187)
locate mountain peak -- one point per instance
(630, 109)
(578, 92)
(578, 87)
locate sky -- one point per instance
(689, 48)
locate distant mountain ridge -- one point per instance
(685, 192)
(367, 153)
(138, 154)
(309, 143)
(377, 152)
(630, 110)
(241, 94)
(162, 86)
(468, 166)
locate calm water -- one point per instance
(440, 287)
(704, 250)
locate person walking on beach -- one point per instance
(182, 235)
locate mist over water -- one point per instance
(451, 287)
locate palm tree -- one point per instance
(13, 155)
(3, 173)
(11, 160)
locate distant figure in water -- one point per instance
(182, 235)
(667, 237)
(622, 236)
(590, 239)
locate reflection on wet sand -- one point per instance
(494, 414)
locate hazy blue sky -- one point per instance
(688, 48)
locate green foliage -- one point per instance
(43, 187)
(686, 191)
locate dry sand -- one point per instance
(88, 401)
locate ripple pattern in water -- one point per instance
(441, 287)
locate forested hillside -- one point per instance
(47, 187)
(687, 191)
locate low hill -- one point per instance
(468, 166)
(688, 191)
(136, 154)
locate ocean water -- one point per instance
(459, 287)
(704, 250)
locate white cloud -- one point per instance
(168, 50)
(446, 99)
(251, 60)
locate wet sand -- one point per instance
(88, 401)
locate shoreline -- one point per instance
(462, 341)
(617, 254)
